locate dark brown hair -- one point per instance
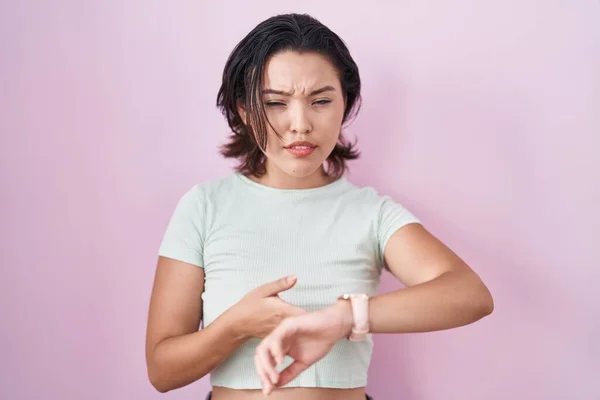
(242, 81)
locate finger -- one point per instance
(277, 352)
(261, 374)
(267, 363)
(274, 287)
(279, 340)
(264, 380)
(267, 388)
(292, 371)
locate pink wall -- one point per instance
(482, 119)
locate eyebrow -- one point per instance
(313, 93)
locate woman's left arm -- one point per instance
(442, 291)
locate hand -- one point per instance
(261, 310)
(306, 338)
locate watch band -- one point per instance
(360, 315)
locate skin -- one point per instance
(304, 102)
(441, 292)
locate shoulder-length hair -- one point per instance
(242, 84)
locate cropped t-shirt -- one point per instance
(245, 234)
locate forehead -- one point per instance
(299, 72)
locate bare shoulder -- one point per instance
(414, 255)
(175, 302)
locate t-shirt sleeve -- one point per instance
(392, 217)
(183, 239)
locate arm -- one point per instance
(177, 354)
(442, 291)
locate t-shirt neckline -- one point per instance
(265, 188)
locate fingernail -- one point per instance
(291, 278)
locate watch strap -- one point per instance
(360, 315)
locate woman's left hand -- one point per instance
(306, 338)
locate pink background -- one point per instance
(483, 119)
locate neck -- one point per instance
(280, 180)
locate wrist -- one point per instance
(342, 312)
(236, 324)
(359, 308)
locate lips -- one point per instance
(301, 149)
(301, 146)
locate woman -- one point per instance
(285, 237)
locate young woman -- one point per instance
(281, 260)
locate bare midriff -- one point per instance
(300, 393)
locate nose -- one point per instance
(300, 120)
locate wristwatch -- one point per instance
(360, 315)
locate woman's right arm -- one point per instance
(177, 353)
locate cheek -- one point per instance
(276, 123)
(330, 124)
(335, 114)
(274, 143)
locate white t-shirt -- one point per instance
(245, 234)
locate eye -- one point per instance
(274, 103)
(322, 102)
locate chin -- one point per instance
(301, 171)
(298, 168)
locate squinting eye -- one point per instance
(274, 104)
(322, 102)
